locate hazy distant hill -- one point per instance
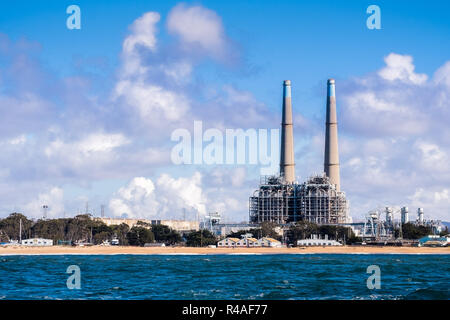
(446, 223)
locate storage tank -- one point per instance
(389, 215)
(420, 215)
(405, 215)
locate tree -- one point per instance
(54, 229)
(138, 236)
(268, 230)
(165, 234)
(10, 226)
(200, 238)
(256, 233)
(121, 231)
(412, 231)
(301, 230)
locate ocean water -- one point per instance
(306, 276)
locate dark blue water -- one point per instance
(315, 276)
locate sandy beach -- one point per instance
(60, 250)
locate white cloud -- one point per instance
(435, 201)
(149, 99)
(164, 199)
(153, 102)
(198, 27)
(442, 75)
(90, 145)
(54, 199)
(401, 68)
(394, 128)
(143, 35)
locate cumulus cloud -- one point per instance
(54, 199)
(166, 198)
(199, 29)
(137, 88)
(393, 129)
(153, 102)
(142, 36)
(400, 67)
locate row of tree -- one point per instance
(84, 228)
(413, 231)
(304, 230)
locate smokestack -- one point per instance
(331, 165)
(287, 166)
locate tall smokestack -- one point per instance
(331, 165)
(287, 166)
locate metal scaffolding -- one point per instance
(316, 200)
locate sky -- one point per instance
(88, 114)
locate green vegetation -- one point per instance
(165, 234)
(413, 232)
(304, 230)
(84, 228)
(9, 227)
(266, 229)
(200, 238)
(138, 236)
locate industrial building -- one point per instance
(377, 229)
(281, 199)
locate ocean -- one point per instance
(279, 277)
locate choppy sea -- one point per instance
(306, 276)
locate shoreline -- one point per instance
(124, 250)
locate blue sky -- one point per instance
(305, 41)
(260, 43)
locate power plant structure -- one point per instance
(281, 199)
(376, 229)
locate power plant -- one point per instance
(375, 229)
(281, 199)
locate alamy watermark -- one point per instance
(234, 146)
(74, 20)
(374, 20)
(374, 280)
(74, 281)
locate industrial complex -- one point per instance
(281, 199)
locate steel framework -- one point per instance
(316, 200)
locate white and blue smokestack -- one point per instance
(331, 163)
(287, 166)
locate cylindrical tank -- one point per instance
(389, 215)
(405, 215)
(420, 214)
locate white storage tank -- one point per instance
(405, 215)
(420, 215)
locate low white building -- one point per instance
(228, 242)
(37, 242)
(248, 242)
(317, 242)
(269, 242)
